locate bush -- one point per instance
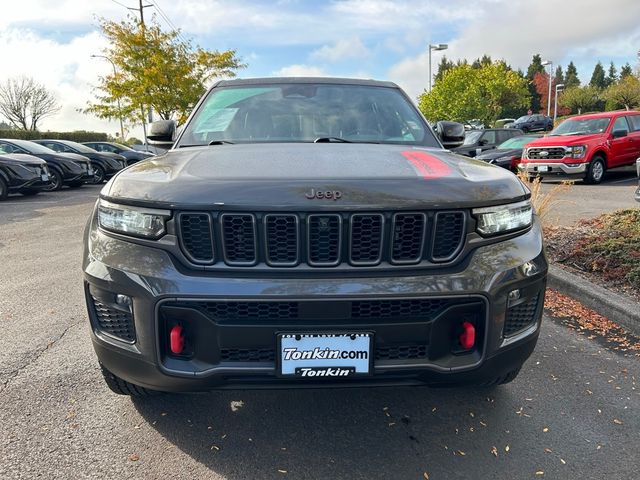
(77, 136)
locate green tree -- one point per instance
(571, 77)
(467, 92)
(598, 77)
(535, 67)
(444, 66)
(625, 71)
(624, 94)
(579, 99)
(155, 68)
(559, 75)
(612, 75)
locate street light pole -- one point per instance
(436, 47)
(115, 73)
(550, 64)
(559, 86)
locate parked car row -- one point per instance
(583, 147)
(28, 167)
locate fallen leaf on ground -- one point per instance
(134, 457)
(425, 475)
(494, 451)
(617, 422)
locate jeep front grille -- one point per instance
(553, 153)
(321, 240)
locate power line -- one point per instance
(166, 19)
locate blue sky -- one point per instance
(383, 39)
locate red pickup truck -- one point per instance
(585, 146)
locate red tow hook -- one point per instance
(468, 336)
(176, 340)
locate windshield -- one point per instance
(305, 112)
(516, 142)
(32, 147)
(524, 118)
(582, 126)
(77, 146)
(472, 137)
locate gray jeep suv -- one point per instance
(311, 232)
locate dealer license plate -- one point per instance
(320, 355)
(543, 168)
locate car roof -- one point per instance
(615, 113)
(322, 80)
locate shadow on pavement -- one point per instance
(340, 433)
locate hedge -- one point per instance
(77, 136)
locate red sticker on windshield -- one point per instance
(427, 165)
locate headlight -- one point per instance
(503, 218)
(576, 152)
(136, 221)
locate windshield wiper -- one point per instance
(330, 139)
(220, 142)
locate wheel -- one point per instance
(502, 379)
(4, 189)
(595, 171)
(76, 184)
(98, 175)
(57, 181)
(122, 387)
(28, 192)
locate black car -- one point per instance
(105, 165)
(129, 153)
(508, 154)
(24, 174)
(477, 141)
(533, 123)
(311, 232)
(70, 170)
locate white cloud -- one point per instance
(514, 31)
(301, 70)
(343, 49)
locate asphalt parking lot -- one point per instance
(572, 412)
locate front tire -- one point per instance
(595, 171)
(4, 189)
(98, 175)
(502, 379)
(122, 387)
(57, 181)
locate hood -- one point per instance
(75, 157)
(21, 159)
(112, 156)
(497, 153)
(566, 140)
(282, 175)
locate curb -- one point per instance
(620, 309)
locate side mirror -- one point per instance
(451, 134)
(619, 133)
(162, 133)
(483, 142)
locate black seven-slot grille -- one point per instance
(321, 239)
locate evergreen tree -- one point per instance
(598, 77)
(535, 67)
(559, 76)
(571, 77)
(612, 76)
(485, 60)
(444, 65)
(625, 71)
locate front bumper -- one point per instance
(163, 292)
(554, 168)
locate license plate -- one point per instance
(44, 177)
(543, 168)
(324, 355)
